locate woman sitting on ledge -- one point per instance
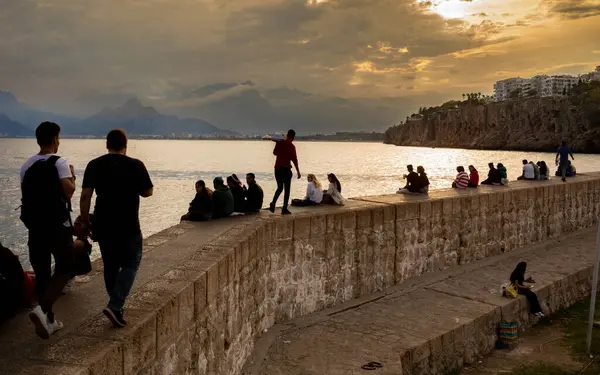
(517, 278)
(201, 207)
(333, 194)
(314, 193)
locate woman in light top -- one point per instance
(314, 193)
(333, 194)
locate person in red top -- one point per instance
(285, 153)
(473, 177)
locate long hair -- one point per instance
(519, 272)
(335, 181)
(314, 179)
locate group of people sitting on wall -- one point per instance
(497, 175)
(416, 182)
(225, 199)
(316, 195)
(571, 171)
(534, 171)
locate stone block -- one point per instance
(425, 210)
(138, 338)
(318, 226)
(187, 305)
(349, 221)
(334, 223)
(363, 220)
(102, 357)
(301, 228)
(212, 283)
(378, 217)
(201, 293)
(447, 207)
(222, 269)
(389, 213)
(284, 229)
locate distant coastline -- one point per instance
(337, 137)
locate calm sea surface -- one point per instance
(363, 169)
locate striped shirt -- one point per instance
(462, 180)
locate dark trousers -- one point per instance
(532, 298)
(43, 245)
(283, 176)
(563, 166)
(303, 202)
(121, 257)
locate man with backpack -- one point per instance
(118, 181)
(47, 185)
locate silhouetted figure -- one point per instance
(254, 194)
(201, 207)
(223, 203)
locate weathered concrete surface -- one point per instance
(206, 292)
(429, 325)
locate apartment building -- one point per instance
(542, 85)
(502, 89)
(558, 85)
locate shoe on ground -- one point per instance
(40, 322)
(116, 317)
(55, 326)
(564, 180)
(285, 211)
(272, 208)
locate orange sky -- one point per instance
(66, 49)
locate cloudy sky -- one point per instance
(54, 52)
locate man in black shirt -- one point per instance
(118, 181)
(413, 182)
(254, 194)
(493, 176)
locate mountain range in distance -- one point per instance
(221, 109)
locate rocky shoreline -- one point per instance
(537, 124)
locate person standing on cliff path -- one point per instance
(119, 181)
(285, 153)
(563, 155)
(47, 186)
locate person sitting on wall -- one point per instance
(201, 207)
(423, 180)
(494, 175)
(571, 171)
(462, 179)
(333, 194)
(503, 174)
(543, 170)
(528, 171)
(473, 177)
(222, 198)
(239, 195)
(517, 278)
(314, 193)
(254, 194)
(536, 170)
(12, 284)
(412, 182)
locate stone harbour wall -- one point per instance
(205, 315)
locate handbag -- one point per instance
(512, 291)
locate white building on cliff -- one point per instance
(540, 85)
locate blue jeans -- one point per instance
(121, 257)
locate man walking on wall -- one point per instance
(285, 153)
(47, 186)
(563, 154)
(118, 181)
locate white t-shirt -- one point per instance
(313, 193)
(528, 171)
(62, 165)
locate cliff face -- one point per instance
(533, 124)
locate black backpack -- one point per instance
(43, 203)
(12, 284)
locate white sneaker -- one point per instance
(54, 327)
(40, 321)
